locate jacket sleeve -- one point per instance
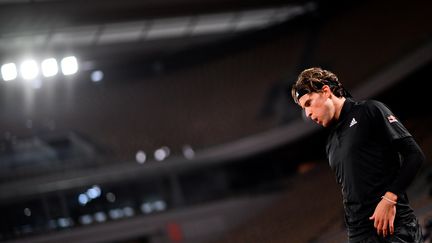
(401, 142)
(412, 159)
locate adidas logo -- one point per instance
(353, 122)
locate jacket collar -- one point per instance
(348, 104)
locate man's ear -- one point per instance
(326, 89)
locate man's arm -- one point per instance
(412, 158)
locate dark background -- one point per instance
(243, 164)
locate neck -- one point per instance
(338, 102)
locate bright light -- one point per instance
(69, 65)
(97, 76)
(100, 217)
(29, 69)
(83, 199)
(153, 206)
(162, 153)
(116, 213)
(86, 219)
(159, 205)
(9, 71)
(140, 157)
(65, 222)
(146, 207)
(49, 67)
(188, 152)
(94, 192)
(128, 211)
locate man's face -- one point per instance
(318, 107)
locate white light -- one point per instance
(161, 153)
(83, 199)
(86, 219)
(116, 213)
(49, 67)
(94, 192)
(64, 222)
(188, 152)
(146, 208)
(29, 69)
(159, 205)
(97, 76)
(69, 65)
(128, 211)
(9, 71)
(141, 157)
(100, 217)
(98, 190)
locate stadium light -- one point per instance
(29, 69)
(9, 71)
(69, 65)
(49, 67)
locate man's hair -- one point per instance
(313, 79)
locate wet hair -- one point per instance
(313, 79)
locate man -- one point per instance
(373, 156)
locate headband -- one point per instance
(300, 92)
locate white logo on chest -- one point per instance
(353, 122)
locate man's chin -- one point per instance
(323, 123)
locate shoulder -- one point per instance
(373, 108)
(373, 105)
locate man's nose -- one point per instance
(308, 114)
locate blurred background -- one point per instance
(171, 121)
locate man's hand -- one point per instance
(384, 215)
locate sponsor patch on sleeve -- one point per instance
(391, 118)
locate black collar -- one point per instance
(346, 108)
(348, 104)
